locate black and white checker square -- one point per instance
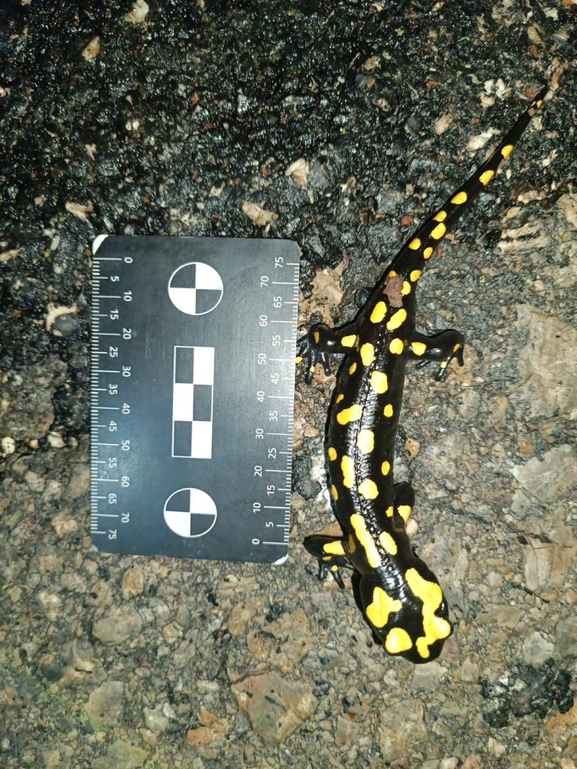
(195, 288)
(192, 402)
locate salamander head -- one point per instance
(406, 611)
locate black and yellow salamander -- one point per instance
(399, 596)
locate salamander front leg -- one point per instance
(441, 347)
(331, 555)
(404, 501)
(321, 343)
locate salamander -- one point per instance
(399, 596)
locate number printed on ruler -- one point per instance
(192, 396)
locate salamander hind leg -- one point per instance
(441, 347)
(321, 343)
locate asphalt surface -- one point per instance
(166, 118)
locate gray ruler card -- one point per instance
(193, 365)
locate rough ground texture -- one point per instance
(126, 118)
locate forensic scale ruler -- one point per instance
(193, 365)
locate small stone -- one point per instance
(276, 707)
(566, 637)
(118, 626)
(155, 719)
(537, 649)
(121, 755)
(407, 716)
(132, 583)
(105, 705)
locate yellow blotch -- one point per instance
(419, 348)
(334, 492)
(440, 217)
(368, 489)
(507, 150)
(430, 593)
(438, 232)
(459, 198)
(349, 341)
(406, 289)
(334, 548)
(299, 359)
(486, 177)
(348, 471)
(398, 641)
(391, 274)
(367, 542)
(389, 511)
(352, 414)
(332, 454)
(368, 352)
(457, 347)
(379, 382)
(316, 337)
(366, 441)
(381, 606)
(404, 511)
(340, 397)
(397, 346)
(388, 411)
(379, 312)
(388, 543)
(415, 244)
(397, 319)
(428, 252)
(386, 468)
(353, 368)
(415, 275)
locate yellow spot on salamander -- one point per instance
(340, 397)
(381, 606)
(388, 411)
(366, 441)
(349, 341)
(486, 177)
(404, 511)
(332, 453)
(457, 347)
(459, 199)
(406, 289)
(398, 641)
(352, 414)
(438, 232)
(419, 348)
(428, 252)
(379, 312)
(379, 382)
(348, 471)
(368, 352)
(397, 319)
(440, 217)
(352, 368)
(507, 150)
(334, 492)
(316, 337)
(367, 542)
(415, 275)
(397, 346)
(389, 511)
(368, 489)
(430, 593)
(388, 543)
(334, 548)
(415, 244)
(386, 468)
(391, 274)
(299, 359)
